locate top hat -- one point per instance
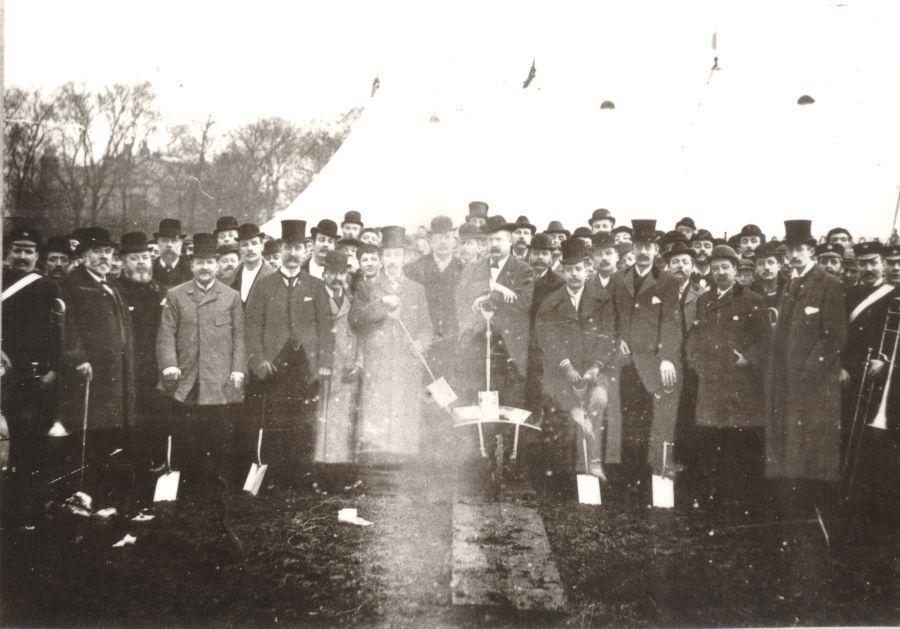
(574, 251)
(225, 224)
(498, 223)
(830, 249)
(726, 252)
(556, 227)
(680, 248)
(523, 221)
(467, 231)
(335, 261)
(169, 228)
(205, 246)
(326, 227)
(478, 209)
(353, 218)
(25, 235)
(751, 230)
(133, 242)
(602, 240)
(702, 235)
(392, 237)
(644, 230)
(798, 232)
(687, 221)
(90, 237)
(541, 242)
(58, 244)
(867, 249)
(601, 215)
(248, 231)
(441, 225)
(293, 231)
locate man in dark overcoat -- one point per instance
(803, 390)
(172, 267)
(726, 348)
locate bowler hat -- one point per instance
(541, 242)
(672, 237)
(574, 251)
(133, 242)
(228, 247)
(348, 242)
(798, 232)
(523, 222)
(830, 249)
(478, 209)
(680, 248)
(746, 263)
(622, 229)
(25, 235)
(205, 246)
(725, 252)
(326, 227)
(392, 237)
(352, 218)
(441, 225)
(91, 237)
(582, 232)
(248, 231)
(293, 231)
(687, 221)
(868, 249)
(768, 250)
(644, 230)
(702, 235)
(555, 227)
(169, 228)
(601, 215)
(751, 230)
(335, 261)
(225, 224)
(602, 240)
(498, 223)
(468, 231)
(271, 247)
(58, 244)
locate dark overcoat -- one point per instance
(729, 396)
(173, 276)
(98, 331)
(803, 395)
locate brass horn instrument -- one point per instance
(889, 334)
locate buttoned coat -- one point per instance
(202, 333)
(802, 390)
(97, 331)
(170, 277)
(144, 303)
(729, 396)
(543, 286)
(270, 317)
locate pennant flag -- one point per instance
(375, 85)
(530, 77)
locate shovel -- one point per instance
(664, 487)
(439, 389)
(167, 483)
(257, 470)
(588, 484)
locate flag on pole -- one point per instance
(375, 85)
(530, 76)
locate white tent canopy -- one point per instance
(733, 150)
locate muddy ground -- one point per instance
(283, 559)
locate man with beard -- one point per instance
(702, 243)
(687, 227)
(602, 221)
(226, 231)
(57, 255)
(290, 346)
(478, 212)
(545, 281)
(803, 404)
(621, 234)
(143, 298)
(201, 356)
(229, 257)
(470, 238)
(31, 348)
(272, 253)
(830, 258)
(351, 226)
(171, 268)
(337, 404)
(574, 347)
(387, 308)
(557, 234)
(98, 347)
(324, 237)
(648, 326)
(749, 238)
(253, 267)
(727, 351)
(369, 262)
(524, 231)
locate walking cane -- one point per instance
(84, 427)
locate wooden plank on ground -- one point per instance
(501, 556)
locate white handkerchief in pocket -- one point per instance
(810, 310)
(307, 299)
(655, 300)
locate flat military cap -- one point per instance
(830, 249)
(867, 249)
(25, 236)
(891, 251)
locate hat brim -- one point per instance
(157, 235)
(315, 232)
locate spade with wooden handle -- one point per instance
(167, 483)
(257, 469)
(439, 389)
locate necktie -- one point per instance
(494, 265)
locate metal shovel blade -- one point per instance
(167, 487)
(663, 492)
(588, 489)
(255, 478)
(442, 393)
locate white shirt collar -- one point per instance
(442, 266)
(206, 288)
(575, 297)
(645, 273)
(288, 274)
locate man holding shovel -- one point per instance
(201, 356)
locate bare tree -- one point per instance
(189, 150)
(29, 116)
